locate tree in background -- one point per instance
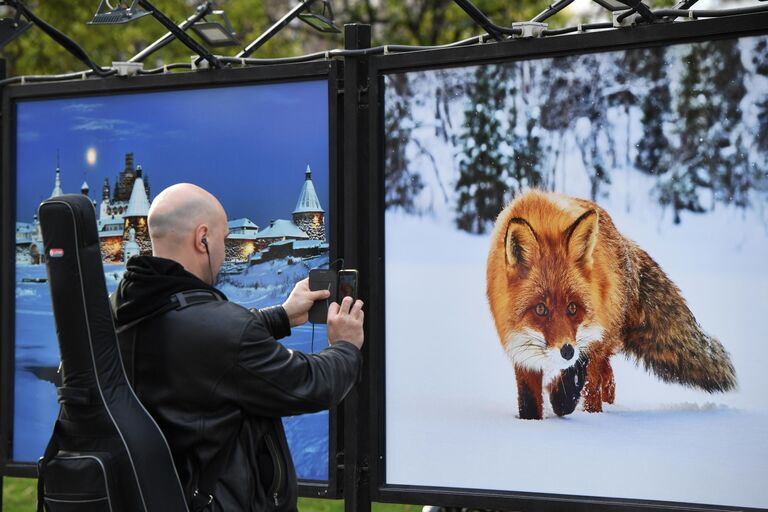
(529, 157)
(760, 61)
(680, 189)
(653, 148)
(401, 184)
(421, 22)
(34, 53)
(482, 187)
(725, 74)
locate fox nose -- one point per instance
(567, 351)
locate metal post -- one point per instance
(357, 494)
(202, 11)
(3, 377)
(180, 34)
(274, 29)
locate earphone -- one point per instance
(204, 241)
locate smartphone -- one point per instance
(347, 285)
(322, 279)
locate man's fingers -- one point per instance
(319, 294)
(357, 309)
(346, 305)
(333, 309)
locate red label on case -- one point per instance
(56, 253)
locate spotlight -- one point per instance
(216, 33)
(11, 28)
(112, 12)
(322, 20)
(212, 35)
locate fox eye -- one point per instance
(541, 309)
(571, 308)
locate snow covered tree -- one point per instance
(653, 147)
(680, 189)
(712, 156)
(481, 187)
(401, 184)
(728, 165)
(760, 60)
(529, 157)
(576, 93)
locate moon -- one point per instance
(90, 156)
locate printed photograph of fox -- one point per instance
(575, 275)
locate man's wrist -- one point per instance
(277, 321)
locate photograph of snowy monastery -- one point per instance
(671, 145)
(121, 151)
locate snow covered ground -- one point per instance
(451, 398)
(37, 355)
(451, 403)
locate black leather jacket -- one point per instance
(216, 380)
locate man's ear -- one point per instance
(521, 244)
(201, 237)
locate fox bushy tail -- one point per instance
(662, 333)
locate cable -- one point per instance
(711, 13)
(552, 10)
(639, 7)
(58, 36)
(494, 30)
(164, 69)
(388, 49)
(578, 28)
(54, 78)
(693, 14)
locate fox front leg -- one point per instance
(529, 394)
(600, 386)
(565, 390)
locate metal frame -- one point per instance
(621, 39)
(329, 70)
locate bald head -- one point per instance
(178, 210)
(179, 218)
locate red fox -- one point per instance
(567, 291)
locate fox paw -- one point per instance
(609, 391)
(593, 401)
(565, 391)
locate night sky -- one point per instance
(248, 145)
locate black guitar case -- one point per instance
(106, 452)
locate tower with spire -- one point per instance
(135, 217)
(309, 215)
(57, 184)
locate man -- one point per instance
(211, 372)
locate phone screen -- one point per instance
(347, 284)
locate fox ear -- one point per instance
(521, 243)
(581, 237)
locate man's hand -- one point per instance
(300, 301)
(345, 322)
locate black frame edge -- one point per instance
(508, 51)
(329, 70)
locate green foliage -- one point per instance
(35, 53)
(416, 22)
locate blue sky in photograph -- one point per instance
(248, 145)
